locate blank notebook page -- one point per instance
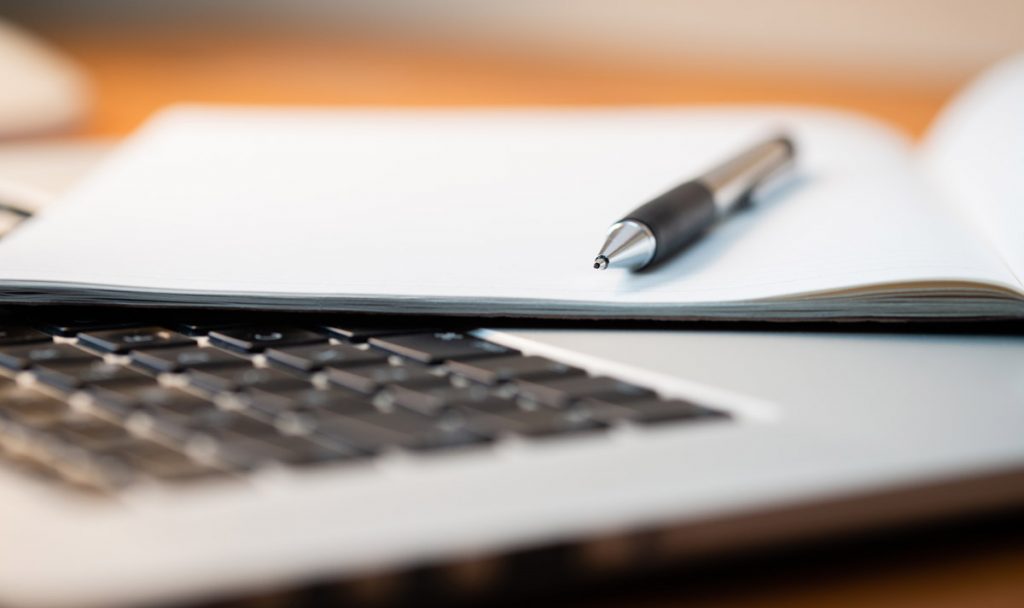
(486, 205)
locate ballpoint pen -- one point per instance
(666, 224)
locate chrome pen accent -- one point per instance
(668, 223)
(628, 242)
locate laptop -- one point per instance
(175, 458)
(180, 457)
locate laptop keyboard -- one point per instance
(108, 406)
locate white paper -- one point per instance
(975, 155)
(488, 206)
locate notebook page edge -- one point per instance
(171, 116)
(967, 155)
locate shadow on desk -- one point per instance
(956, 562)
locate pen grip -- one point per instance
(677, 217)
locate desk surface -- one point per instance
(136, 72)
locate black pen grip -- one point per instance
(677, 217)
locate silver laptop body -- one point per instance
(829, 432)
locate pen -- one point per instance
(666, 224)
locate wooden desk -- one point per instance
(136, 72)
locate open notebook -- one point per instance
(500, 212)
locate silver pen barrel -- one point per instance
(668, 223)
(733, 180)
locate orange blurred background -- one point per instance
(898, 60)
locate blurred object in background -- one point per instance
(895, 59)
(898, 40)
(34, 172)
(42, 91)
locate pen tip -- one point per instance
(600, 262)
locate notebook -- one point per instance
(499, 212)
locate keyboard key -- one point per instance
(169, 360)
(156, 411)
(236, 439)
(158, 461)
(440, 346)
(306, 451)
(37, 471)
(495, 370)
(21, 335)
(170, 428)
(203, 425)
(339, 401)
(650, 411)
(369, 379)
(373, 432)
(348, 431)
(248, 453)
(560, 392)
(23, 357)
(91, 434)
(139, 338)
(226, 425)
(30, 407)
(227, 379)
(443, 433)
(431, 400)
(492, 405)
(312, 358)
(70, 328)
(86, 469)
(267, 404)
(197, 327)
(182, 408)
(121, 401)
(538, 423)
(76, 374)
(256, 339)
(356, 333)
